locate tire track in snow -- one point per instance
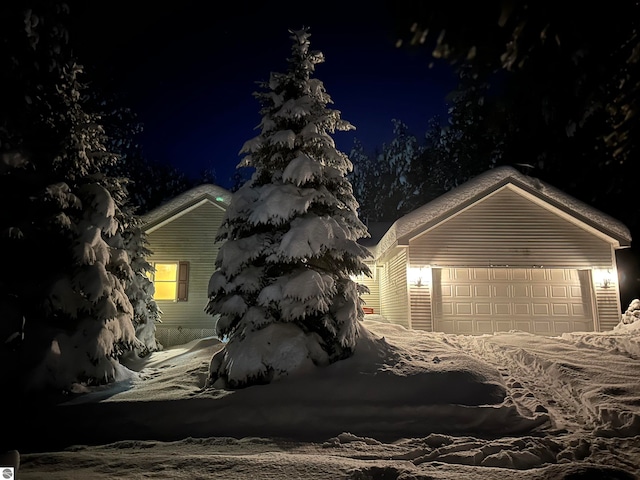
(583, 389)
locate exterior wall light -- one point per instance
(603, 277)
(419, 276)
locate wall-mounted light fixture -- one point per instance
(603, 277)
(419, 276)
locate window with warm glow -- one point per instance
(165, 280)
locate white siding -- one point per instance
(608, 307)
(394, 301)
(190, 238)
(507, 229)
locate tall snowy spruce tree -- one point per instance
(283, 284)
(63, 220)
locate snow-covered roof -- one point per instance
(460, 197)
(179, 204)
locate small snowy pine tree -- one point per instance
(283, 287)
(140, 289)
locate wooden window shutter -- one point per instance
(183, 281)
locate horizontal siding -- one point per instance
(371, 299)
(172, 336)
(421, 307)
(508, 229)
(608, 306)
(394, 302)
(190, 238)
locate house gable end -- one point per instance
(549, 204)
(180, 211)
(509, 228)
(184, 203)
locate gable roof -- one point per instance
(184, 202)
(468, 193)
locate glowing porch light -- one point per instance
(419, 276)
(603, 277)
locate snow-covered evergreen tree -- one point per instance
(67, 227)
(283, 284)
(140, 289)
(385, 183)
(364, 177)
(397, 159)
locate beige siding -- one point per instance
(394, 302)
(608, 307)
(371, 299)
(507, 229)
(191, 238)
(421, 307)
(420, 300)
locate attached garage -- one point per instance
(485, 300)
(502, 252)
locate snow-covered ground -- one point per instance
(409, 405)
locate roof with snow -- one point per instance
(189, 199)
(468, 193)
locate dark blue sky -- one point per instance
(189, 71)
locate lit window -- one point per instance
(170, 280)
(165, 280)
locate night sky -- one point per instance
(189, 71)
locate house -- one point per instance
(181, 234)
(503, 251)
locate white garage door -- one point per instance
(485, 300)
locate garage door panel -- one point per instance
(481, 273)
(560, 309)
(560, 275)
(539, 275)
(465, 327)
(463, 308)
(463, 291)
(577, 310)
(558, 291)
(462, 274)
(542, 328)
(447, 326)
(482, 291)
(540, 309)
(582, 326)
(501, 290)
(446, 309)
(483, 309)
(524, 326)
(483, 327)
(503, 326)
(503, 308)
(539, 291)
(520, 291)
(518, 274)
(543, 301)
(561, 327)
